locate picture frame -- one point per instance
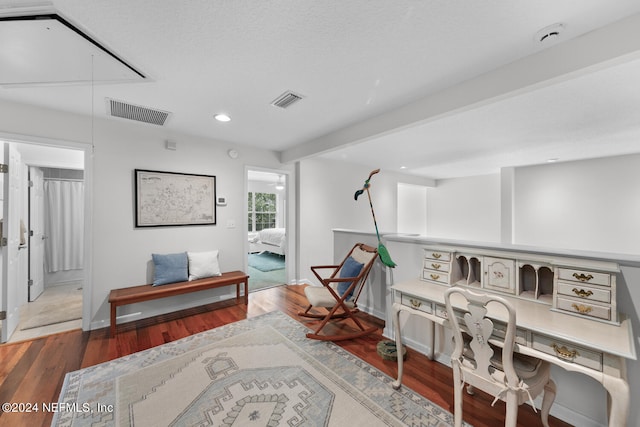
(166, 199)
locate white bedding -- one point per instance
(270, 239)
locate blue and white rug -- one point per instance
(266, 261)
(261, 371)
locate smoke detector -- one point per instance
(549, 34)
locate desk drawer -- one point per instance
(584, 308)
(443, 257)
(586, 277)
(435, 276)
(578, 290)
(436, 266)
(416, 303)
(567, 352)
(500, 329)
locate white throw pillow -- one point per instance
(203, 264)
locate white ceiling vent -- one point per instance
(286, 99)
(124, 110)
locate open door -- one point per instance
(36, 233)
(10, 241)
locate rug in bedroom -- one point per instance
(266, 261)
(262, 371)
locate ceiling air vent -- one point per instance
(123, 110)
(286, 99)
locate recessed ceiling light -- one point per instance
(553, 160)
(403, 167)
(222, 117)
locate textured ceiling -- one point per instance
(442, 88)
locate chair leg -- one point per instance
(547, 400)
(458, 385)
(511, 419)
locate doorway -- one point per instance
(48, 296)
(267, 254)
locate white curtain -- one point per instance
(64, 225)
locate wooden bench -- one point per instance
(124, 296)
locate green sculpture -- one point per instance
(382, 251)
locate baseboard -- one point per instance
(132, 317)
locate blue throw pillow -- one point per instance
(170, 268)
(350, 268)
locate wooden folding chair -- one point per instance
(340, 291)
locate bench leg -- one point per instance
(246, 291)
(113, 320)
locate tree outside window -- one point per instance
(262, 211)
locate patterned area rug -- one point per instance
(261, 371)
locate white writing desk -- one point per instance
(596, 349)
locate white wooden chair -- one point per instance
(478, 360)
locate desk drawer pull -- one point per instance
(435, 276)
(436, 255)
(582, 309)
(436, 266)
(583, 277)
(582, 293)
(564, 353)
(415, 303)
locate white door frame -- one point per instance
(10, 231)
(290, 219)
(36, 226)
(87, 285)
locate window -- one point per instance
(262, 211)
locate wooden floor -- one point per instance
(33, 371)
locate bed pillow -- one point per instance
(203, 264)
(169, 268)
(350, 268)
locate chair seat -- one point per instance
(319, 296)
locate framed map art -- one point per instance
(169, 199)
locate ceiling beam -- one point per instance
(605, 47)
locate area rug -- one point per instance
(262, 371)
(266, 261)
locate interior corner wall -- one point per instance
(465, 209)
(121, 253)
(326, 202)
(588, 205)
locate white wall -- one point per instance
(326, 202)
(412, 209)
(122, 253)
(588, 205)
(465, 208)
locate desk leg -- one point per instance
(431, 340)
(246, 292)
(617, 400)
(396, 323)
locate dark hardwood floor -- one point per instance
(33, 371)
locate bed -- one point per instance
(270, 239)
